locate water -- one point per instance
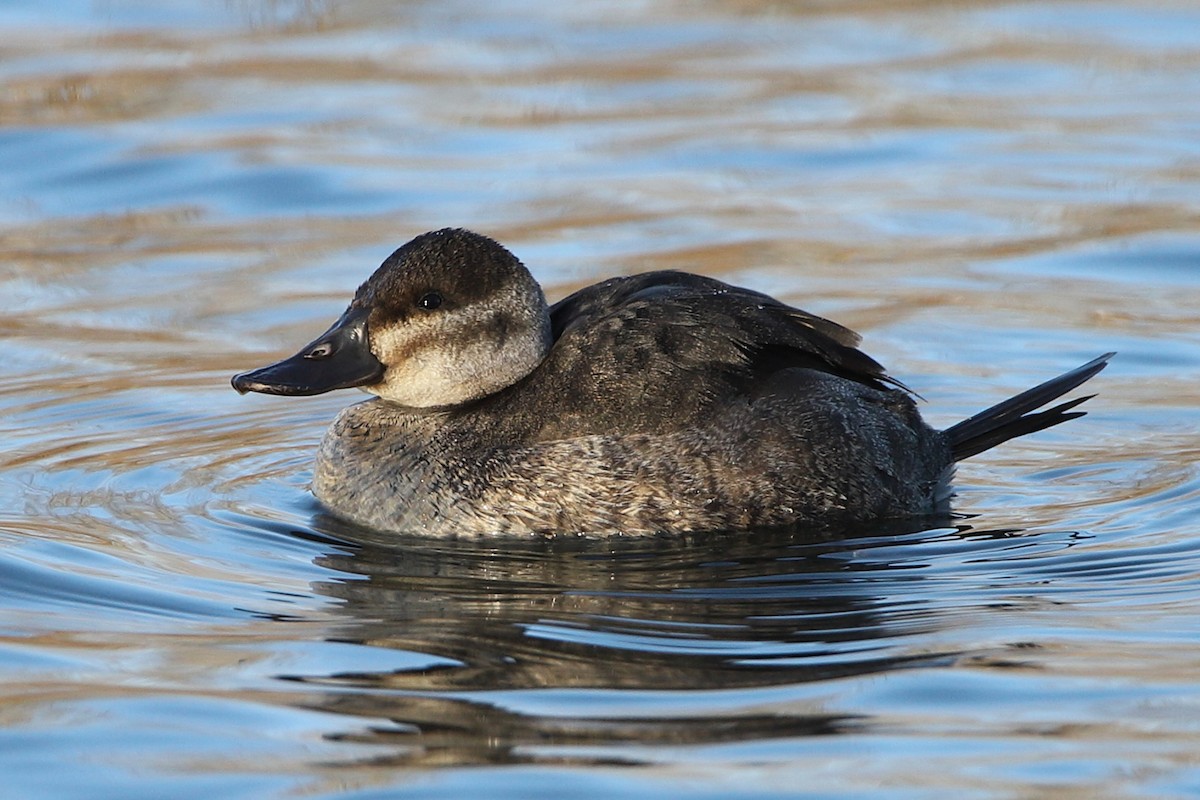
(990, 192)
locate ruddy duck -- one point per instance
(662, 402)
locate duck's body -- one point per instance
(663, 402)
(810, 448)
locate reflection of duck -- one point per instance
(755, 609)
(572, 650)
(657, 402)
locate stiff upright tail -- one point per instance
(1015, 416)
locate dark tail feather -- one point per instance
(1014, 417)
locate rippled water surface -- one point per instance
(991, 192)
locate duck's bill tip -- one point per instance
(240, 384)
(340, 358)
(302, 375)
(263, 382)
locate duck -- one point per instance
(658, 403)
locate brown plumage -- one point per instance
(662, 402)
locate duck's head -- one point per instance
(450, 317)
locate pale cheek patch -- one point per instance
(422, 367)
(451, 358)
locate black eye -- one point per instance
(429, 301)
